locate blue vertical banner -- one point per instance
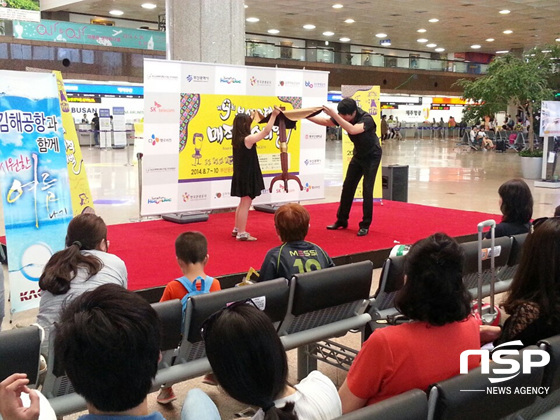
(33, 180)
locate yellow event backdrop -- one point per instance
(77, 176)
(367, 98)
(205, 153)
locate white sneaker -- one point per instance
(245, 236)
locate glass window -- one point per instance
(43, 53)
(88, 56)
(111, 62)
(20, 52)
(4, 51)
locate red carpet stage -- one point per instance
(148, 247)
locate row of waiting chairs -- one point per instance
(509, 250)
(307, 308)
(466, 397)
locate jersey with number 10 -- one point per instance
(293, 258)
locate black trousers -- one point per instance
(358, 168)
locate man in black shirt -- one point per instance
(365, 160)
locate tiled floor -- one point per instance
(440, 174)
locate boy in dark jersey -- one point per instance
(295, 255)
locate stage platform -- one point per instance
(148, 247)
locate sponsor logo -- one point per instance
(222, 194)
(503, 369)
(195, 78)
(193, 197)
(309, 187)
(313, 136)
(312, 162)
(289, 83)
(153, 140)
(259, 82)
(159, 200)
(161, 170)
(158, 108)
(162, 76)
(230, 80)
(311, 85)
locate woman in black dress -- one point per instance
(247, 182)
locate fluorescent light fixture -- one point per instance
(439, 49)
(490, 40)
(116, 12)
(475, 46)
(502, 52)
(149, 6)
(309, 26)
(508, 31)
(344, 39)
(328, 33)
(557, 39)
(433, 20)
(337, 6)
(422, 40)
(326, 42)
(349, 20)
(381, 35)
(546, 51)
(421, 31)
(252, 19)
(431, 45)
(504, 12)
(245, 6)
(273, 31)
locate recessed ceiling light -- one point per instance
(349, 21)
(421, 31)
(508, 31)
(309, 26)
(344, 39)
(273, 31)
(245, 6)
(433, 20)
(422, 40)
(328, 33)
(252, 19)
(431, 45)
(557, 39)
(504, 12)
(490, 40)
(149, 6)
(475, 46)
(381, 35)
(439, 49)
(502, 52)
(337, 6)
(116, 12)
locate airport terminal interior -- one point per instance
(344, 38)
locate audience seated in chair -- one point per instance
(250, 364)
(295, 255)
(191, 250)
(516, 205)
(108, 341)
(533, 302)
(83, 265)
(412, 355)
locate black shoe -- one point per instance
(337, 225)
(363, 231)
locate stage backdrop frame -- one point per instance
(188, 112)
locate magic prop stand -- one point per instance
(284, 176)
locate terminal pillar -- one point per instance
(209, 31)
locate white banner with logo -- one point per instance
(189, 112)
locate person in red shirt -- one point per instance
(426, 350)
(191, 249)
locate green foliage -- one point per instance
(531, 153)
(523, 81)
(23, 4)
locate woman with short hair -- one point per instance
(396, 359)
